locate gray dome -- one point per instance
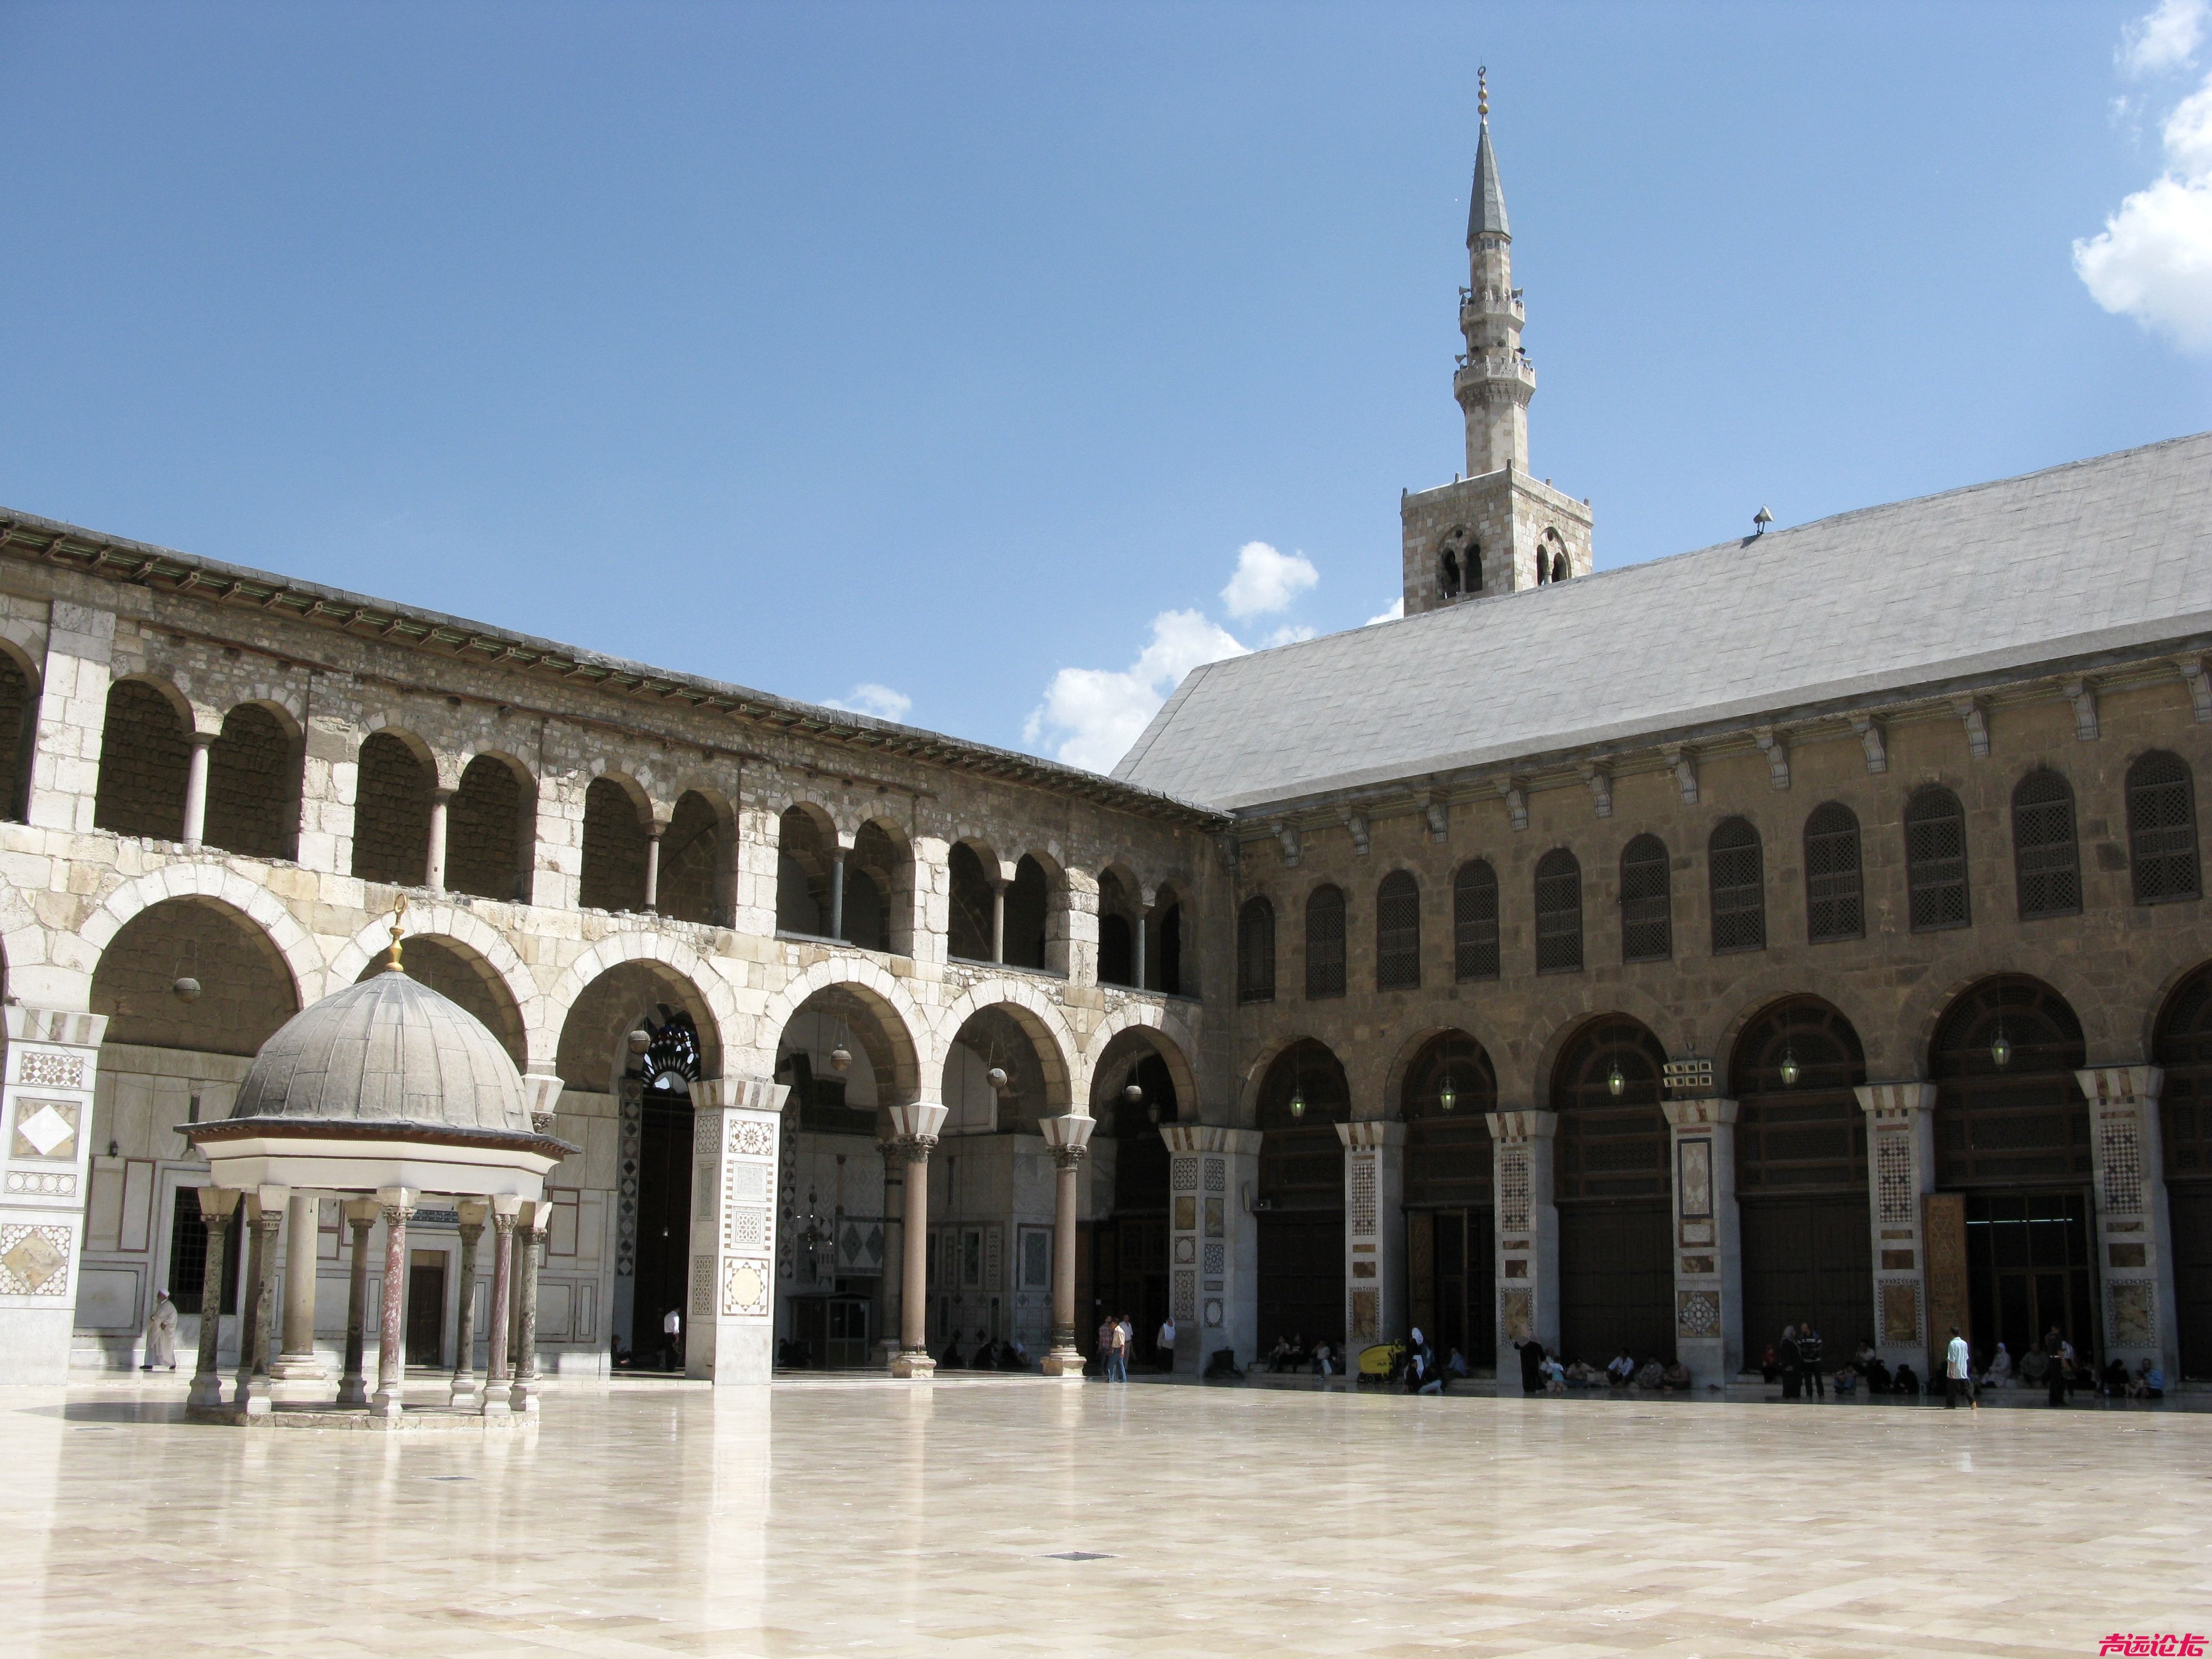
(389, 1050)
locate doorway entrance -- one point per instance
(663, 1225)
(2029, 1268)
(833, 1331)
(1450, 1257)
(426, 1308)
(1129, 1274)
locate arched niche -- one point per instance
(144, 753)
(1612, 1184)
(253, 784)
(1303, 1095)
(491, 829)
(1449, 1086)
(246, 990)
(615, 815)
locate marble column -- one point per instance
(361, 1215)
(1069, 1138)
(295, 1373)
(1900, 1174)
(433, 875)
(2134, 1234)
(51, 1065)
(887, 1342)
(535, 1226)
(1708, 1239)
(506, 1208)
(196, 789)
(218, 1208)
(737, 1132)
(264, 1214)
(396, 1204)
(997, 919)
(917, 1123)
(1374, 1232)
(464, 1392)
(836, 892)
(654, 832)
(1213, 1242)
(1527, 1231)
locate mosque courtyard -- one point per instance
(865, 1516)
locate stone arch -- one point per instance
(1398, 1065)
(1738, 1003)
(1173, 1038)
(1547, 1036)
(879, 881)
(884, 995)
(395, 774)
(1045, 1041)
(247, 988)
(302, 959)
(484, 949)
(617, 809)
(697, 875)
(19, 727)
(807, 842)
(886, 1070)
(2104, 1029)
(703, 993)
(144, 752)
(491, 827)
(2024, 1122)
(1035, 895)
(1171, 955)
(253, 781)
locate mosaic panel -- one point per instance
(745, 1228)
(45, 1128)
(2120, 1148)
(706, 1133)
(1513, 1189)
(745, 1287)
(703, 1288)
(1185, 1294)
(33, 1260)
(1360, 1202)
(1893, 1175)
(752, 1138)
(1184, 1176)
(1217, 1258)
(1697, 1313)
(1216, 1175)
(2134, 1314)
(51, 1071)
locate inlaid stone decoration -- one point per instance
(1366, 1316)
(745, 1227)
(41, 1071)
(45, 1128)
(1217, 1258)
(1216, 1219)
(1185, 1294)
(1186, 1251)
(1213, 1314)
(2134, 1314)
(1362, 1216)
(1184, 1176)
(1517, 1309)
(1893, 1167)
(1900, 1312)
(33, 1260)
(1698, 1313)
(2122, 1147)
(1513, 1189)
(45, 1183)
(1216, 1175)
(702, 1286)
(750, 1138)
(1695, 1161)
(1186, 1212)
(744, 1286)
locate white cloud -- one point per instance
(868, 698)
(1094, 714)
(1289, 634)
(2153, 261)
(2167, 39)
(1266, 580)
(1396, 610)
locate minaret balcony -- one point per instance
(1513, 366)
(1493, 308)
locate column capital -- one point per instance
(1370, 1132)
(1698, 1113)
(1896, 1100)
(217, 1203)
(541, 1091)
(470, 1214)
(1068, 1136)
(917, 1122)
(750, 1094)
(66, 1028)
(1210, 1138)
(1525, 1123)
(2113, 1085)
(362, 1212)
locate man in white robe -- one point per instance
(162, 1335)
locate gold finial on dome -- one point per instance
(398, 932)
(1482, 91)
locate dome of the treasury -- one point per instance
(388, 1051)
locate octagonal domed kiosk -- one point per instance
(379, 1093)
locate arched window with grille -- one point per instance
(1255, 951)
(1474, 921)
(1558, 912)
(1397, 931)
(1325, 942)
(1935, 860)
(1647, 911)
(1835, 899)
(1737, 871)
(2163, 829)
(2046, 859)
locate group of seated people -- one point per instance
(1542, 1371)
(2052, 1364)
(990, 1356)
(1290, 1353)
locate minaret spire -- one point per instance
(1495, 379)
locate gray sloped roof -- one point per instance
(2108, 555)
(1486, 202)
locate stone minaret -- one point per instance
(1496, 530)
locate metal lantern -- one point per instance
(185, 989)
(996, 1076)
(2001, 1050)
(1616, 1083)
(1448, 1097)
(1298, 1102)
(1789, 1069)
(841, 1059)
(640, 1041)
(1133, 1094)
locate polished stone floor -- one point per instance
(867, 1517)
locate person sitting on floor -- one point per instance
(2148, 1383)
(1653, 1375)
(1676, 1377)
(1324, 1360)
(1582, 1376)
(1457, 1365)
(2113, 1384)
(1279, 1355)
(1013, 1357)
(1999, 1374)
(1905, 1382)
(2034, 1368)
(950, 1360)
(1622, 1372)
(1847, 1377)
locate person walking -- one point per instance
(1793, 1364)
(162, 1335)
(2054, 1347)
(1118, 1365)
(1809, 1355)
(672, 1340)
(1959, 1373)
(1167, 1341)
(1107, 1327)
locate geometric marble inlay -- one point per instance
(49, 1131)
(56, 1183)
(1184, 1174)
(1698, 1313)
(2123, 1161)
(1892, 1169)
(1216, 1175)
(33, 1261)
(1513, 1189)
(1362, 1204)
(745, 1287)
(51, 1071)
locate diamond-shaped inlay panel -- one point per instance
(45, 1128)
(51, 1071)
(33, 1261)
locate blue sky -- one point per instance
(946, 349)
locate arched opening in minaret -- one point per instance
(1448, 575)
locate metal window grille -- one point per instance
(1475, 922)
(1255, 953)
(1935, 860)
(1834, 902)
(2047, 860)
(188, 1256)
(1558, 912)
(1397, 932)
(1647, 920)
(1738, 874)
(2162, 830)
(1325, 943)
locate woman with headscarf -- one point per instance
(1421, 1375)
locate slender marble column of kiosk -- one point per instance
(472, 1212)
(218, 1205)
(1069, 1138)
(916, 1124)
(498, 1385)
(361, 1215)
(398, 1204)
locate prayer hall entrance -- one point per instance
(1616, 1212)
(1300, 1204)
(1129, 1249)
(656, 1103)
(2183, 1051)
(1450, 1237)
(2012, 1253)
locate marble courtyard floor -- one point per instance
(869, 1517)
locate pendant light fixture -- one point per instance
(1615, 1083)
(1790, 1068)
(2000, 1050)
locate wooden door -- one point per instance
(2189, 1206)
(1616, 1280)
(1807, 1258)
(426, 1308)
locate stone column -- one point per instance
(265, 1215)
(653, 831)
(66, 759)
(1708, 1239)
(1528, 1236)
(463, 1393)
(737, 1128)
(1069, 1137)
(433, 862)
(1374, 1231)
(534, 1228)
(998, 920)
(361, 1215)
(1140, 924)
(837, 892)
(887, 1343)
(916, 1124)
(295, 1366)
(1900, 1173)
(2134, 1236)
(397, 1204)
(45, 1118)
(217, 1206)
(196, 786)
(1213, 1242)
(498, 1385)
